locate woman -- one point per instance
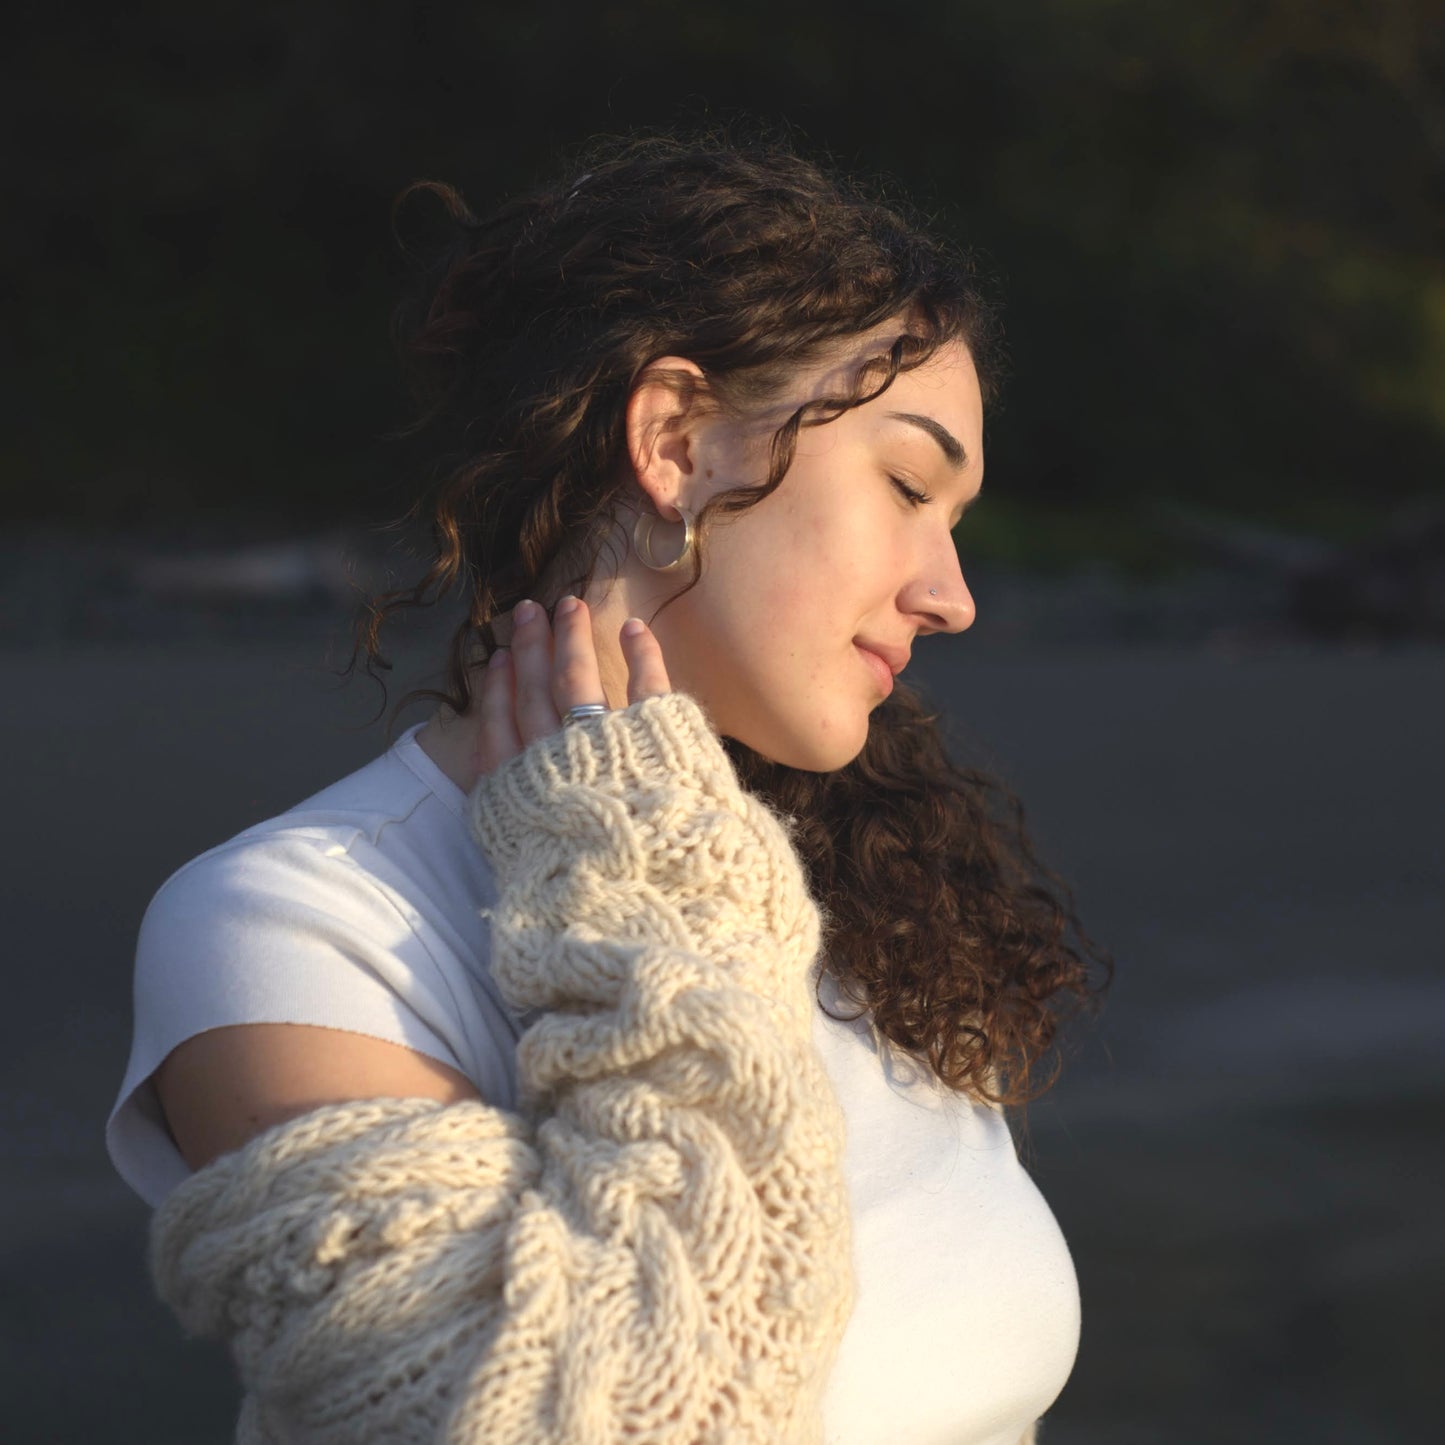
(672, 1111)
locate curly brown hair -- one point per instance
(532, 327)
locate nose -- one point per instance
(940, 595)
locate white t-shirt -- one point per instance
(360, 909)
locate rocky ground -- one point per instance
(1244, 1153)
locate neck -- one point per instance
(450, 741)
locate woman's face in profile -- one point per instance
(812, 600)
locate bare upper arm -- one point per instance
(221, 1088)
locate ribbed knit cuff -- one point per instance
(662, 743)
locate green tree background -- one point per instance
(1217, 229)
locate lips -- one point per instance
(894, 658)
(878, 666)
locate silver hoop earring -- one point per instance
(642, 541)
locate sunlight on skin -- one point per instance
(769, 640)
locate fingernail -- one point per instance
(498, 658)
(525, 611)
(566, 605)
(633, 627)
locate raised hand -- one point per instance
(526, 689)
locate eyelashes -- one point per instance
(915, 497)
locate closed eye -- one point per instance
(915, 497)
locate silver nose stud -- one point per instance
(933, 591)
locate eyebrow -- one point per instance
(950, 445)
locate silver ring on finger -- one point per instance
(582, 710)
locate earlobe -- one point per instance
(660, 418)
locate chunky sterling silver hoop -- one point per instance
(642, 541)
(580, 710)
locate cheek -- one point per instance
(799, 595)
(759, 566)
(811, 552)
(799, 575)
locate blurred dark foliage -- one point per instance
(1217, 228)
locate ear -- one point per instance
(662, 432)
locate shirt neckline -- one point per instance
(411, 753)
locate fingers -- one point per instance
(498, 740)
(576, 673)
(527, 688)
(646, 671)
(537, 714)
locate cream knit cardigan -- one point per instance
(656, 1250)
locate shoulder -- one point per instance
(362, 901)
(226, 900)
(348, 931)
(355, 845)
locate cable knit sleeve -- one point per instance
(657, 1250)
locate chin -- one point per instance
(819, 752)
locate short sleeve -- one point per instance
(298, 927)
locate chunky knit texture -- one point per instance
(657, 1249)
